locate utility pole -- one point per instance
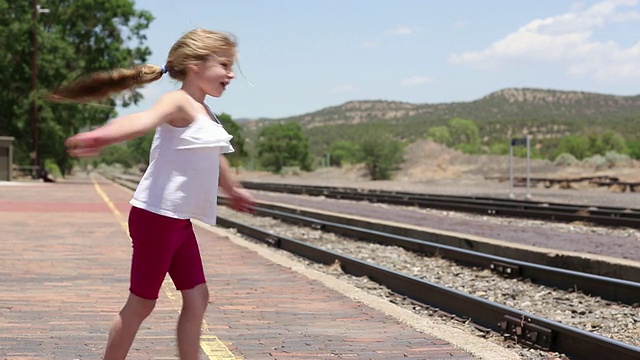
(35, 10)
(34, 80)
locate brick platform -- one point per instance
(64, 269)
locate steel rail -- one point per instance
(602, 215)
(627, 292)
(525, 328)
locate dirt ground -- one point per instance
(428, 160)
(432, 168)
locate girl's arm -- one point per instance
(169, 107)
(227, 182)
(241, 199)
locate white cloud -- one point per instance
(567, 40)
(344, 88)
(371, 44)
(399, 31)
(416, 80)
(402, 30)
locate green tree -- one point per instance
(117, 154)
(633, 147)
(499, 148)
(440, 134)
(613, 141)
(283, 145)
(75, 37)
(596, 146)
(464, 135)
(578, 146)
(381, 155)
(238, 141)
(343, 152)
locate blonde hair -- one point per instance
(193, 47)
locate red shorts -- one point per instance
(162, 245)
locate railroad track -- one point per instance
(601, 215)
(526, 328)
(613, 289)
(548, 211)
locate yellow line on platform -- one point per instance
(209, 343)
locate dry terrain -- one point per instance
(433, 168)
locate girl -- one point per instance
(181, 182)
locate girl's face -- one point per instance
(216, 73)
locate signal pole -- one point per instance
(35, 10)
(34, 80)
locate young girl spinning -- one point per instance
(181, 182)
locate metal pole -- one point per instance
(528, 196)
(34, 80)
(511, 169)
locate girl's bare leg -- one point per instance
(126, 325)
(194, 304)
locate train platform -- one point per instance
(64, 272)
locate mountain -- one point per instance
(508, 104)
(542, 113)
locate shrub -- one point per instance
(565, 159)
(615, 159)
(52, 168)
(596, 161)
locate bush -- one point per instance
(566, 159)
(615, 159)
(343, 152)
(290, 170)
(283, 145)
(52, 168)
(381, 155)
(596, 161)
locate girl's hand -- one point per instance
(242, 200)
(83, 144)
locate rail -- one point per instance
(602, 215)
(609, 288)
(525, 328)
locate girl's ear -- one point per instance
(194, 67)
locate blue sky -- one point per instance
(299, 56)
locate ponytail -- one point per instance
(102, 84)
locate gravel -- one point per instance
(617, 321)
(574, 237)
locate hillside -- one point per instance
(544, 114)
(508, 104)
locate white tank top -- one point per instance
(182, 178)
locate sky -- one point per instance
(300, 56)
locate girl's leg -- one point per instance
(152, 236)
(125, 326)
(187, 274)
(194, 304)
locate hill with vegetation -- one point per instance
(545, 115)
